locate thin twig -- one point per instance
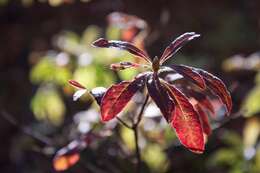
(135, 129)
(124, 123)
(139, 117)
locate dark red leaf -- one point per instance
(103, 43)
(203, 119)
(186, 122)
(160, 96)
(177, 44)
(190, 74)
(218, 88)
(117, 96)
(202, 100)
(123, 65)
(76, 84)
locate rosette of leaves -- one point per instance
(187, 116)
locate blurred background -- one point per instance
(44, 43)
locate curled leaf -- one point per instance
(203, 119)
(190, 74)
(178, 43)
(202, 100)
(160, 96)
(117, 96)
(186, 121)
(103, 43)
(218, 87)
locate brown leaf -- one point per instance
(103, 43)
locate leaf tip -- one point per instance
(101, 42)
(76, 84)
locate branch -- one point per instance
(123, 123)
(135, 129)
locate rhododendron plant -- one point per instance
(183, 107)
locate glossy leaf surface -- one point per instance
(178, 43)
(160, 96)
(190, 74)
(202, 100)
(203, 119)
(218, 88)
(117, 96)
(186, 122)
(121, 45)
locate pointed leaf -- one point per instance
(218, 87)
(186, 122)
(160, 96)
(76, 84)
(117, 96)
(121, 45)
(190, 74)
(123, 65)
(203, 119)
(177, 44)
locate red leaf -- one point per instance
(123, 65)
(203, 119)
(160, 96)
(177, 44)
(76, 84)
(190, 74)
(202, 100)
(186, 122)
(117, 96)
(218, 88)
(121, 45)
